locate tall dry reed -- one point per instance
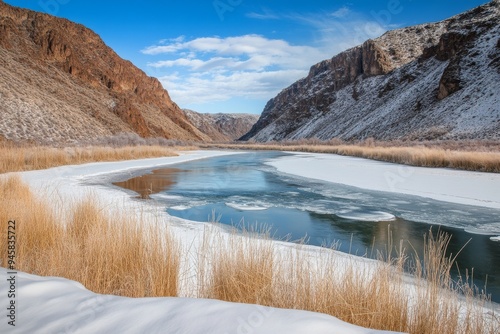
(110, 253)
(236, 269)
(373, 294)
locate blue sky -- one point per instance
(234, 55)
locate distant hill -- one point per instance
(431, 81)
(222, 127)
(60, 83)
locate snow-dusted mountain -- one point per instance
(222, 127)
(437, 80)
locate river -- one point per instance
(242, 188)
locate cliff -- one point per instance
(437, 80)
(59, 82)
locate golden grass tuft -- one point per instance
(108, 253)
(377, 295)
(239, 269)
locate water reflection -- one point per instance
(153, 183)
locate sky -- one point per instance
(233, 56)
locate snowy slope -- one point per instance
(56, 305)
(221, 127)
(439, 80)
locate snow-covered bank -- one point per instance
(70, 181)
(461, 187)
(56, 305)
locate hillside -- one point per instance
(60, 83)
(222, 127)
(431, 81)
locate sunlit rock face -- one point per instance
(60, 82)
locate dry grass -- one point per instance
(485, 158)
(126, 256)
(378, 295)
(236, 269)
(22, 158)
(108, 253)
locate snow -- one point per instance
(56, 305)
(462, 187)
(370, 216)
(245, 207)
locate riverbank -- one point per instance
(462, 155)
(205, 242)
(443, 184)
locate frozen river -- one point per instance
(248, 188)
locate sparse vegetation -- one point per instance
(23, 157)
(483, 156)
(472, 156)
(130, 257)
(378, 295)
(126, 139)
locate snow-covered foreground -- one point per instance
(56, 305)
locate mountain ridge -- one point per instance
(410, 83)
(62, 83)
(222, 126)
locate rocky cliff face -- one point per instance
(60, 82)
(222, 127)
(438, 80)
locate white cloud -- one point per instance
(210, 69)
(250, 45)
(335, 34)
(341, 12)
(215, 87)
(216, 69)
(248, 52)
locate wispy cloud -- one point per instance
(248, 66)
(258, 52)
(214, 87)
(341, 12)
(209, 69)
(265, 15)
(335, 34)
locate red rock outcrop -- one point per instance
(106, 88)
